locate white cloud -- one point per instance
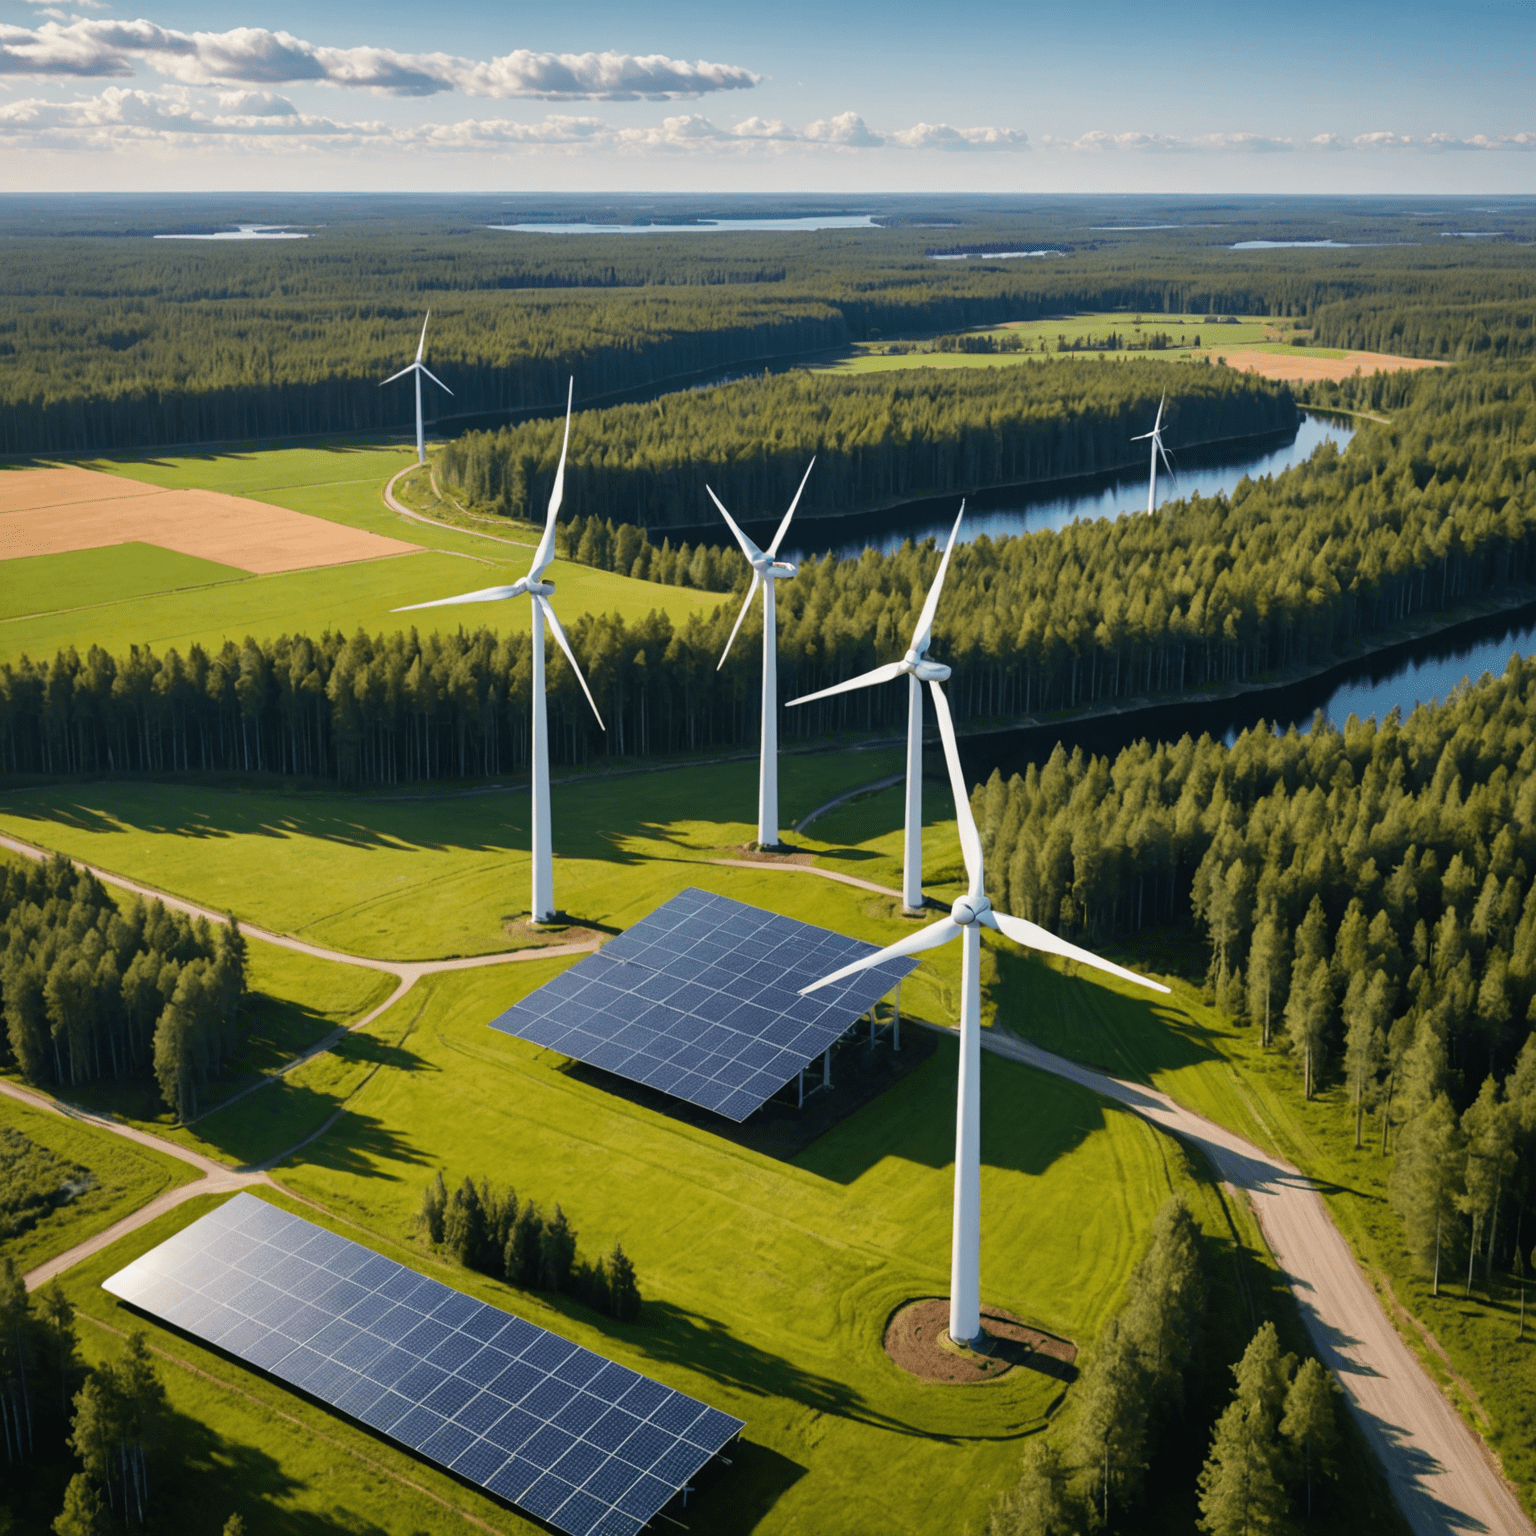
(847, 128)
(1434, 142)
(763, 129)
(100, 49)
(1100, 142)
(942, 136)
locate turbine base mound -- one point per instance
(917, 1339)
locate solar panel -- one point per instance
(590, 1446)
(701, 999)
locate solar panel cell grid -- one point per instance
(553, 1454)
(701, 1000)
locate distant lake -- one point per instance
(703, 227)
(246, 232)
(1311, 245)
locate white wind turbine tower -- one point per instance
(1156, 436)
(539, 593)
(919, 670)
(766, 569)
(418, 368)
(967, 917)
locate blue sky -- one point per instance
(1018, 97)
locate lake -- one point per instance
(703, 227)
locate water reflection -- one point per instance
(1416, 672)
(1001, 513)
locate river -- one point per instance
(1012, 510)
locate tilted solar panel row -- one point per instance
(588, 1445)
(701, 1000)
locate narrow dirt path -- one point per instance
(1443, 1477)
(843, 799)
(396, 505)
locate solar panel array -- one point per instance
(702, 1000)
(578, 1441)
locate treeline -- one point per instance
(120, 343)
(91, 990)
(1368, 899)
(627, 549)
(878, 439)
(486, 1228)
(57, 1413)
(1449, 333)
(1422, 514)
(1131, 1411)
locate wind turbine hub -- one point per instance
(929, 671)
(968, 909)
(540, 588)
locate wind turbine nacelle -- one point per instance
(539, 588)
(968, 909)
(775, 570)
(926, 671)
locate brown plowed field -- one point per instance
(1280, 365)
(52, 511)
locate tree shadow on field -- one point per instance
(1118, 1033)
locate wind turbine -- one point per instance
(539, 593)
(418, 368)
(766, 569)
(919, 670)
(1156, 435)
(967, 917)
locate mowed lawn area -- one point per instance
(41, 1152)
(408, 878)
(139, 595)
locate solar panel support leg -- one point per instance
(896, 1018)
(871, 1029)
(826, 1069)
(801, 1104)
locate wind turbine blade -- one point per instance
(570, 655)
(757, 581)
(421, 346)
(970, 840)
(1031, 936)
(924, 631)
(545, 553)
(930, 937)
(748, 548)
(1141, 437)
(434, 378)
(1157, 425)
(1167, 462)
(484, 595)
(892, 669)
(409, 368)
(778, 538)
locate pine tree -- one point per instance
(234, 1526)
(1167, 1296)
(623, 1289)
(557, 1253)
(1110, 1431)
(525, 1248)
(1489, 1129)
(1426, 1181)
(1367, 1007)
(1309, 1425)
(1242, 1491)
(434, 1208)
(1040, 1504)
(464, 1225)
(82, 1514)
(57, 1314)
(15, 1360)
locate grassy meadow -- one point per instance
(123, 1176)
(139, 595)
(1040, 339)
(768, 1279)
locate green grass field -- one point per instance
(126, 1177)
(1040, 338)
(153, 597)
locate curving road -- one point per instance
(1444, 1478)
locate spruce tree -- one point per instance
(1110, 1430)
(1367, 1007)
(82, 1514)
(1426, 1181)
(623, 1289)
(434, 1208)
(1040, 1504)
(464, 1225)
(1242, 1491)
(557, 1253)
(1309, 1426)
